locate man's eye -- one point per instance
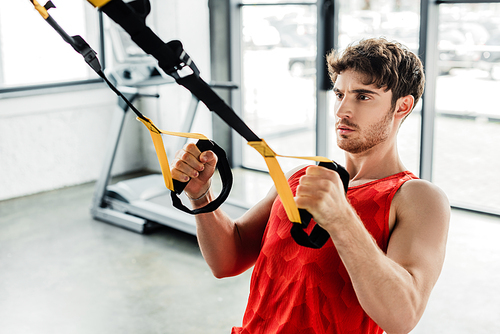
(339, 95)
(363, 97)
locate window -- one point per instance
(456, 145)
(31, 51)
(279, 79)
(279, 71)
(467, 128)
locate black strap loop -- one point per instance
(225, 174)
(318, 236)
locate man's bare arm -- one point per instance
(392, 288)
(229, 247)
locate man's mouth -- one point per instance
(343, 129)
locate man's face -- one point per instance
(364, 115)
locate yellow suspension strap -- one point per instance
(300, 217)
(42, 9)
(176, 187)
(176, 62)
(204, 144)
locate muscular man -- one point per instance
(387, 237)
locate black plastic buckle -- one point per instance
(77, 42)
(185, 68)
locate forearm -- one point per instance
(386, 291)
(218, 239)
(228, 246)
(231, 247)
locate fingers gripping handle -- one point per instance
(203, 145)
(318, 236)
(225, 174)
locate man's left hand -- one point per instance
(322, 193)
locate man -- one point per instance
(388, 236)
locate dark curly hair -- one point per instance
(384, 64)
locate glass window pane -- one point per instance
(467, 133)
(396, 21)
(31, 51)
(279, 89)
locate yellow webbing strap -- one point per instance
(262, 147)
(41, 9)
(98, 3)
(279, 178)
(160, 149)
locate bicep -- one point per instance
(418, 241)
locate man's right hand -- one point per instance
(191, 164)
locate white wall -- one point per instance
(58, 139)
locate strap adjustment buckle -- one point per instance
(185, 67)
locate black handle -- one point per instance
(225, 174)
(318, 236)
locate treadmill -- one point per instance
(142, 204)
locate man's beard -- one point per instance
(372, 136)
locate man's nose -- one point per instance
(343, 108)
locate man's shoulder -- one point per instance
(420, 197)
(419, 187)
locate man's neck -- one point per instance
(378, 162)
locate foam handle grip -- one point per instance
(318, 236)
(203, 145)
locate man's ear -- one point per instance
(404, 106)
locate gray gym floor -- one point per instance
(63, 272)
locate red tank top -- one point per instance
(308, 291)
